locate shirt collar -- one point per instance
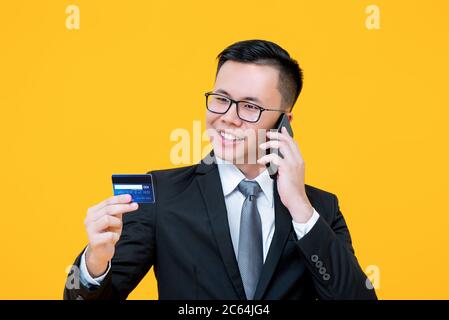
(231, 176)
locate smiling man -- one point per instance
(225, 229)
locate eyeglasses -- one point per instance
(247, 111)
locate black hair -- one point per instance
(268, 53)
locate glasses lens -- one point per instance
(218, 104)
(248, 111)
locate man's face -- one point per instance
(249, 82)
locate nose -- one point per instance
(231, 116)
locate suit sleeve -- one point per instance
(134, 256)
(329, 256)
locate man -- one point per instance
(227, 230)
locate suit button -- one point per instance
(322, 270)
(326, 276)
(319, 264)
(314, 258)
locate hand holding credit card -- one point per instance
(139, 186)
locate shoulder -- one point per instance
(319, 193)
(175, 174)
(173, 181)
(323, 201)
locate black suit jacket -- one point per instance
(185, 236)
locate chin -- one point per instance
(229, 155)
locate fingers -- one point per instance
(104, 238)
(286, 146)
(272, 157)
(123, 198)
(284, 136)
(282, 146)
(107, 222)
(278, 135)
(113, 210)
(103, 224)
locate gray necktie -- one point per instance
(250, 255)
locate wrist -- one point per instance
(301, 212)
(95, 267)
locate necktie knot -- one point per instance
(249, 188)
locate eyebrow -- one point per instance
(255, 99)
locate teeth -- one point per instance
(229, 136)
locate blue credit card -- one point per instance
(139, 186)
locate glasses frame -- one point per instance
(236, 102)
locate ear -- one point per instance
(290, 117)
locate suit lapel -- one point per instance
(283, 226)
(211, 189)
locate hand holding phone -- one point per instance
(282, 122)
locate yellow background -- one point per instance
(79, 105)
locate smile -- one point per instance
(229, 136)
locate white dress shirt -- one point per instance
(230, 177)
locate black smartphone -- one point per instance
(282, 122)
